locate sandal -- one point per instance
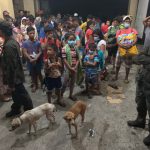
(72, 98)
(33, 89)
(60, 103)
(114, 79)
(126, 81)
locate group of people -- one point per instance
(70, 52)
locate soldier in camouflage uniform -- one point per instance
(142, 91)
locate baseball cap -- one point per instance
(127, 17)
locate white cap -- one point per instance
(128, 16)
(24, 18)
(102, 42)
(75, 14)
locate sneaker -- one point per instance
(12, 114)
(146, 140)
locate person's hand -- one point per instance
(10, 89)
(126, 46)
(52, 65)
(109, 45)
(72, 70)
(32, 60)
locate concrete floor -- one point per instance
(108, 121)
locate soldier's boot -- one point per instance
(138, 123)
(146, 140)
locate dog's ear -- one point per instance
(72, 115)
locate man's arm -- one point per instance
(10, 66)
(145, 21)
(141, 59)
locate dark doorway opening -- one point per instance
(102, 8)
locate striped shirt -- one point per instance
(73, 53)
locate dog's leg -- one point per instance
(29, 128)
(53, 116)
(35, 127)
(49, 117)
(69, 125)
(76, 130)
(82, 120)
(82, 117)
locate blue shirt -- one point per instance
(32, 47)
(91, 69)
(42, 33)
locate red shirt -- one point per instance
(104, 28)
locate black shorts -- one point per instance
(53, 83)
(112, 51)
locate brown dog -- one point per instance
(70, 116)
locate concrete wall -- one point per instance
(132, 10)
(141, 14)
(6, 5)
(29, 6)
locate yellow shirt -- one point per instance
(83, 26)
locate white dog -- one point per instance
(31, 116)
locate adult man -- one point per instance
(142, 92)
(143, 85)
(126, 39)
(83, 26)
(13, 71)
(78, 30)
(20, 16)
(112, 42)
(146, 23)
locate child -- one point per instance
(102, 55)
(53, 67)
(71, 62)
(91, 62)
(32, 51)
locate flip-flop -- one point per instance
(126, 81)
(59, 103)
(73, 98)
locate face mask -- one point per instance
(91, 52)
(126, 25)
(71, 43)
